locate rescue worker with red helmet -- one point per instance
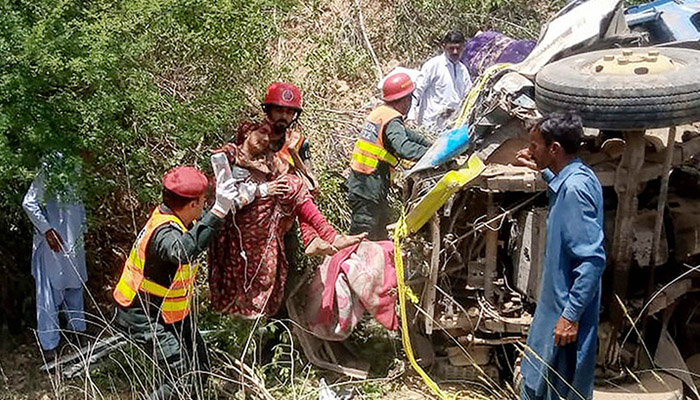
(155, 291)
(282, 106)
(383, 141)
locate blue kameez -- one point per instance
(59, 276)
(571, 287)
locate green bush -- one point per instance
(144, 85)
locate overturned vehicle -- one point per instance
(476, 253)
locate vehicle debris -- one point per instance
(488, 236)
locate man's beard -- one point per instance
(279, 129)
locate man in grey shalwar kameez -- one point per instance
(58, 257)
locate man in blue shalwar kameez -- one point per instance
(58, 257)
(559, 361)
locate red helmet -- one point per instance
(397, 86)
(284, 95)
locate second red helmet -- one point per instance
(284, 95)
(397, 86)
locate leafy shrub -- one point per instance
(142, 85)
(146, 84)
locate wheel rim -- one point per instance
(633, 63)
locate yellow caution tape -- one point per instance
(431, 203)
(411, 296)
(401, 232)
(441, 192)
(476, 90)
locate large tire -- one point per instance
(623, 101)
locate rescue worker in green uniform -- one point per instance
(154, 293)
(383, 140)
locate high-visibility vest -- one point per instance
(369, 148)
(176, 299)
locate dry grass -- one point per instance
(325, 49)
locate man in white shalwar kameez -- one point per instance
(58, 257)
(441, 85)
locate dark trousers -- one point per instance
(177, 348)
(368, 216)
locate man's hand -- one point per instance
(343, 241)
(524, 158)
(278, 187)
(565, 332)
(226, 192)
(54, 240)
(319, 247)
(293, 138)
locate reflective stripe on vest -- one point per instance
(379, 152)
(176, 298)
(285, 155)
(369, 148)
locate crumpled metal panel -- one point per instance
(575, 24)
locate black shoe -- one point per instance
(76, 340)
(49, 355)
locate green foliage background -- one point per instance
(141, 81)
(148, 84)
(145, 85)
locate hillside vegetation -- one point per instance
(145, 85)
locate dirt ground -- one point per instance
(19, 370)
(21, 379)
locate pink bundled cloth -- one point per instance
(358, 278)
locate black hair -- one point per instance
(564, 127)
(453, 36)
(173, 200)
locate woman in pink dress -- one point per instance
(247, 263)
